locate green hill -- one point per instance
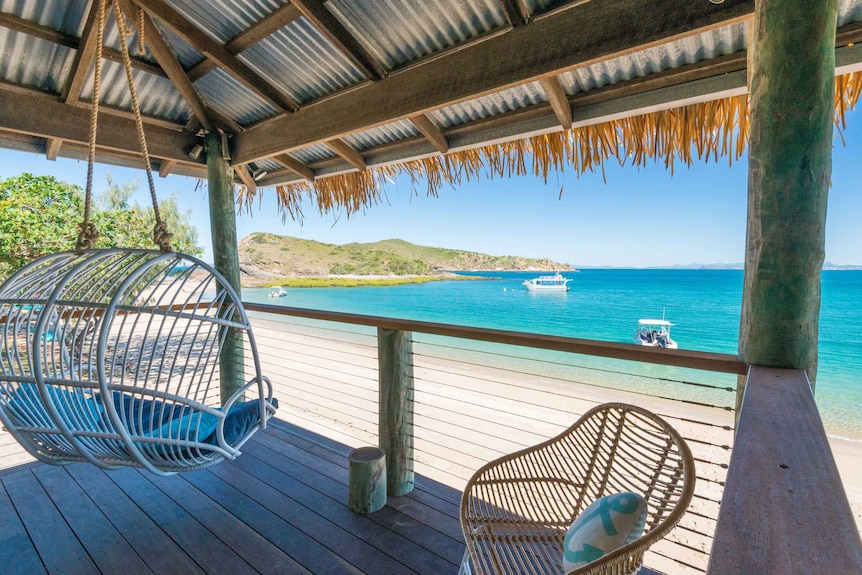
(269, 256)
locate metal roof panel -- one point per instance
(491, 105)
(397, 32)
(302, 62)
(30, 61)
(311, 154)
(224, 19)
(232, 99)
(382, 135)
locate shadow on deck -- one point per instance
(281, 507)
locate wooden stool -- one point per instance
(367, 484)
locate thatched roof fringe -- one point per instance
(698, 132)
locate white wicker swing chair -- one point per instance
(114, 357)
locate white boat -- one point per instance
(278, 292)
(555, 282)
(655, 333)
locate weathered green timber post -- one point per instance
(395, 362)
(792, 83)
(225, 256)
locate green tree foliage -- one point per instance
(40, 215)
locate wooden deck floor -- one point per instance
(279, 508)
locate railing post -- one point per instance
(395, 362)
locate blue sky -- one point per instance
(639, 217)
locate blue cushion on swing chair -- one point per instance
(75, 407)
(158, 419)
(240, 419)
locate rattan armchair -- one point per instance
(515, 511)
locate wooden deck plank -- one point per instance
(255, 549)
(351, 548)
(426, 510)
(396, 546)
(54, 541)
(161, 553)
(104, 544)
(15, 542)
(207, 550)
(310, 553)
(331, 479)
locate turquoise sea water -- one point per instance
(704, 305)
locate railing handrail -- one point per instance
(718, 362)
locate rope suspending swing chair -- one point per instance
(115, 356)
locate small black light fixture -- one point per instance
(257, 173)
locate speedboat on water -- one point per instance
(654, 333)
(555, 282)
(278, 292)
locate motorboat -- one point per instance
(278, 292)
(655, 333)
(555, 282)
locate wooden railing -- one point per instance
(434, 404)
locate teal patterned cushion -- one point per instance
(607, 524)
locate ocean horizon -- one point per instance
(606, 303)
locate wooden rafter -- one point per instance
(214, 51)
(344, 150)
(431, 132)
(340, 37)
(41, 115)
(558, 100)
(169, 63)
(524, 54)
(83, 58)
(295, 166)
(515, 11)
(281, 17)
(245, 177)
(52, 148)
(166, 167)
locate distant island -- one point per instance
(268, 260)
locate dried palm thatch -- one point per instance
(698, 132)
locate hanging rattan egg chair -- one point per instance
(112, 357)
(116, 356)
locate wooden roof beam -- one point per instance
(41, 115)
(278, 19)
(344, 150)
(214, 51)
(245, 177)
(84, 56)
(424, 124)
(524, 54)
(340, 37)
(166, 167)
(169, 63)
(515, 11)
(52, 148)
(558, 100)
(295, 166)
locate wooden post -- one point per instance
(225, 257)
(790, 165)
(367, 480)
(395, 361)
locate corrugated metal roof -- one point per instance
(498, 103)
(311, 154)
(717, 42)
(232, 99)
(112, 37)
(538, 6)
(225, 19)
(849, 11)
(302, 62)
(382, 135)
(400, 31)
(268, 165)
(156, 95)
(29, 61)
(67, 16)
(186, 55)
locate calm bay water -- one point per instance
(704, 305)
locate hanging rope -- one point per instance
(142, 48)
(161, 237)
(88, 235)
